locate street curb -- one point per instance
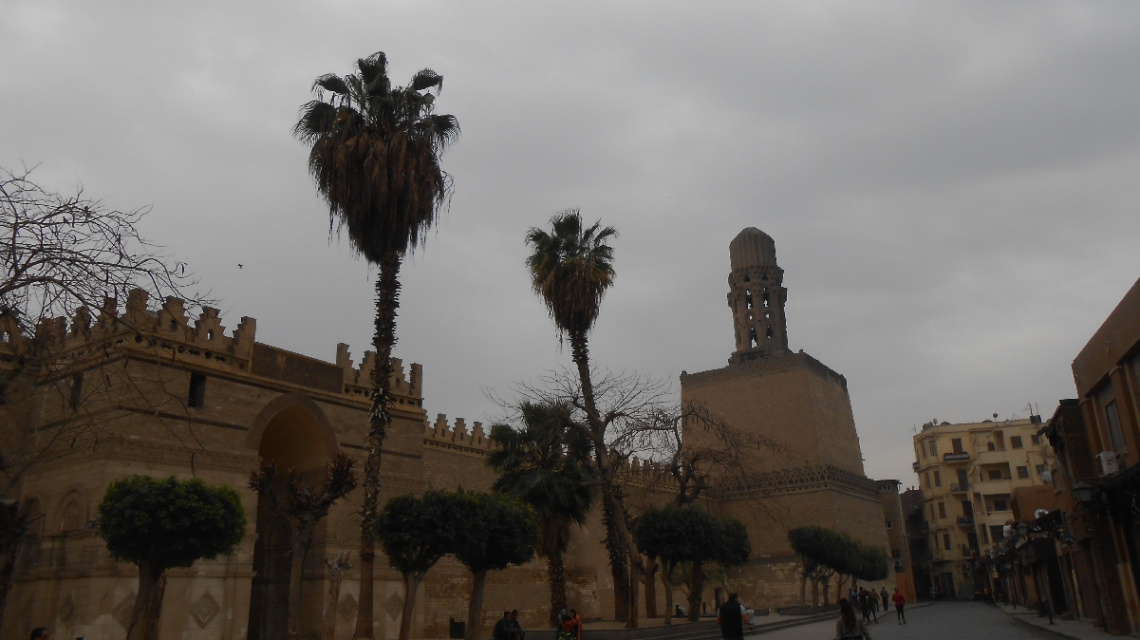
(1044, 628)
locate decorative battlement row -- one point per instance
(170, 333)
(441, 434)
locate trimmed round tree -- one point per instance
(159, 524)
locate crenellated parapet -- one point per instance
(358, 380)
(647, 473)
(443, 435)
(168, 332)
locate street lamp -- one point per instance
(1086, 494)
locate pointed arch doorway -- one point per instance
(292, 433)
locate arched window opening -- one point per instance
(752, 337)
(769, 332)
(747, 299)
(765, 299)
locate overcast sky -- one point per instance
(951, 185)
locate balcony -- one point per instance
(959, 488)
(916, 466)
(959, 456)
(965, 522)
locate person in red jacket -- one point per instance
(899, 602)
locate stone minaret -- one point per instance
(756, 296)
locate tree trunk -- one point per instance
(475, 606)
(696, 590)
(296, 570)
(667, 582)
(556, 572)
(617, 534)
(379, 417)
(635, 570)
(803, 587)
(148, 603)
(814, 592)
(615, 544)
(651, 568)
(411, 585)
(334, 600)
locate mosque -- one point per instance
(147, 389)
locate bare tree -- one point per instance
(62, 255)
(644, 420)
(305, 504)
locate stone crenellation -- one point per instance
(458, 437)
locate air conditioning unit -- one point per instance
(1106, 461)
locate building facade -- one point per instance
(968, 474)
(812, 471)
(1107, 464)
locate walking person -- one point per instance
(848, 627)
(731, 617)
(576, 622)
(899, 602)
(502, 629)
(886, 600)
(515, 630)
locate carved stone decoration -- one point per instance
(123, 611)
(66, 610)
(347, 608)
(395, 606)
(204, 610)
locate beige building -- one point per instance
(968, 474)
(815, 475)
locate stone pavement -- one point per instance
(1072, 629)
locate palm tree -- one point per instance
(571, 267)
(547, 465)
(374, 154)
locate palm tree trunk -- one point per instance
(618, 538)
(651, 568)
(556, 572)
(379, 417)
(148, 603)
(667, 583)
(475, 606)
(411, 585)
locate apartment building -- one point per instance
(968, 474)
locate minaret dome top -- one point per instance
(752, 248)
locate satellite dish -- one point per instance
(1040, 513)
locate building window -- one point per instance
(888, 524)
(1035, 439)
(1114, 433)
(963, 479)
(937, 479)
(942, 510)
(1023, 472)
(995, 474)
(997, 532)
(956, 443)
(76, 390)
(197, 395)
(933, 444)
(991, 446)
(1015, 442)
(1001, 505)
(946, 541)
(896, 554)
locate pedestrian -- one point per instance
(577, 622)
(515, 631)
(564, 626)
(899, 602)
(848, 627)
(886, 600)
(40, 633)
(502, 629)
(731, 617)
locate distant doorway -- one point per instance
(292, 439)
